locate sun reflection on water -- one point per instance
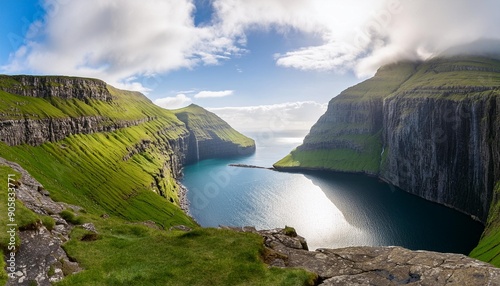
(306, 207)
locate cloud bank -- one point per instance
(116, 40)
(362, 35)
(174, 102)
(290, 116)
(213, 94)
(122, 41)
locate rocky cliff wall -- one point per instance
(347, 118)
(433, 131)
(214, 147)
(57, 86)
(444, 150)
(36, 132)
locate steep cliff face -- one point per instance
(91, 137)
(434, 132)
(37, 132)
(56, 86)
(444, 150)
(348, 137)
(210, 136)
(441, 133)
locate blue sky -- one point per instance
(242, 59)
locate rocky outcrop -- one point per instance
(41, 258)
(374, 265)
(36, 132)
(430, 128)
(63, 87)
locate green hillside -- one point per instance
(206, 125)
(488, 248)
(340, 142)
(120, 165)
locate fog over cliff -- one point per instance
(359, 35)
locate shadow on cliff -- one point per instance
(394, 217)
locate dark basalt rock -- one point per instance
(446, 151)
(429, 128)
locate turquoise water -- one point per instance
(330, 210)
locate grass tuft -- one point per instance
(70, 217)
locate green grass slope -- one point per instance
(91, 170)
(137, 255)
(126, 105)
(488, 248)
(125, 253)
(342, 159)
(107, 173)
(325, 146)
(206, 125)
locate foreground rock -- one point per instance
(40, 258)
(375, 265)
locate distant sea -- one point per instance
(330, 210)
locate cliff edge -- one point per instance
(210, 136)
(431, 128)
(110, 149)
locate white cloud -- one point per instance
(327, 57)
(212, 94)
(272, 118)
(117, 40)
(178, 101)
(364, 34)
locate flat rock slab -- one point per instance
(377, 265)
(396, 266)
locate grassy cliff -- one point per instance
(206, 125)
(431, 128)
(119, 159)
(488, 248)
(348, 137)
(210, 136)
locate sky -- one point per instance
(246, 60)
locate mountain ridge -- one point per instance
(123, 209)
(63, 117)
(435, 135)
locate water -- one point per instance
(330, 210)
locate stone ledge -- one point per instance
(390, 265)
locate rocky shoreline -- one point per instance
(183, 200)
